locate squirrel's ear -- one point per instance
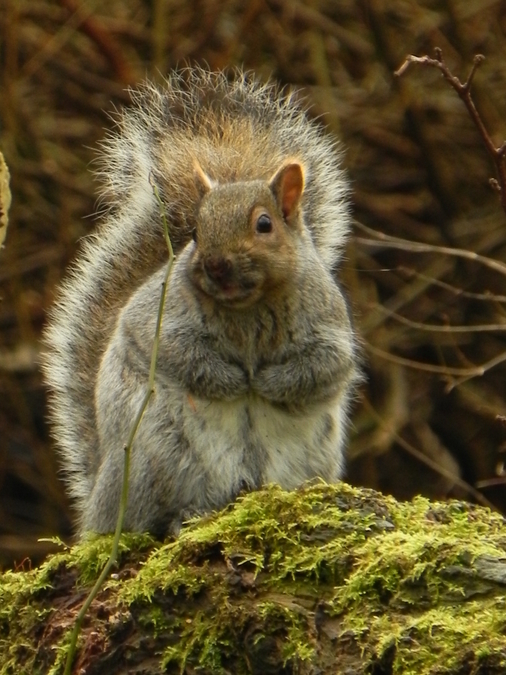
(287, 185)
(202, 181)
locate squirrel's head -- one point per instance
(245, 240)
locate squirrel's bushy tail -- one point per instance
(236, 129)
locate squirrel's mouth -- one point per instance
(222, 281)
(234, 295)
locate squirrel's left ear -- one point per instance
(202, 181)
(287, 185)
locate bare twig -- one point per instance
(93, 28)
(385, 240)
(310, 16)
(127, 455)
(455, 290)
(464, 374)
(443, 328)
(463, 89)
(424, 459)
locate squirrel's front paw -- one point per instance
(276, 383)
(212, 379)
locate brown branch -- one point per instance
(424, 459)
(455, 290)
(313, 17)
(463, 89)
(383, 240)
(93, 28)
(464, 374)
(443, 328)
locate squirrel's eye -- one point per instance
(194, 234)
(264, 224)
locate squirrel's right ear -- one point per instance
(287, 185)
(202, 181)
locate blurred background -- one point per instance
(431, 417)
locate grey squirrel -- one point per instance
(257, 358)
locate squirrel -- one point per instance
(257, 359)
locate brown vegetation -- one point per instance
(428, 300)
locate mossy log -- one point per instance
(328, 579)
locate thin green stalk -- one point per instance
(128, 452)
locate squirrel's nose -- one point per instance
(218, 269)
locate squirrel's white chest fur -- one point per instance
(195, 454)
(251, 442)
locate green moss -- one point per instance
(200, 641)
(24, 608)
(243, 591)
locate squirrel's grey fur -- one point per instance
(248, 390)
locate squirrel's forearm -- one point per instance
(315, 375)
(202, 371)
